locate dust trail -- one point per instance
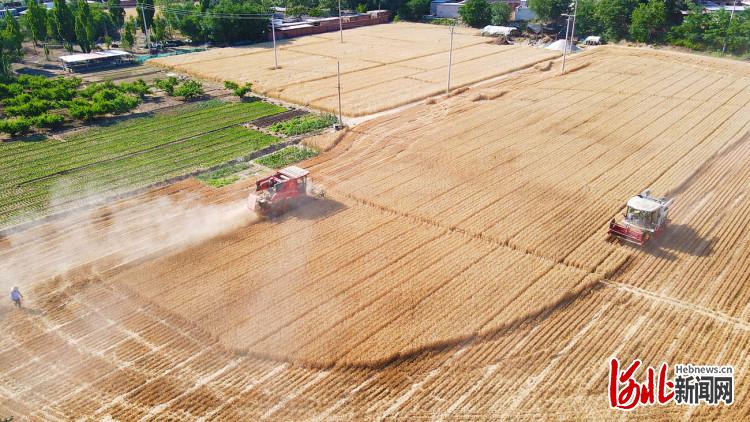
(111, 235)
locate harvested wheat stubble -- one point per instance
(373, 78)
(458, 270)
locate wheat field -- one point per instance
(382, 66)
(458, 268)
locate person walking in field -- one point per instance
(16, 296)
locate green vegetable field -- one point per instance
(286, 156)
(50, 175)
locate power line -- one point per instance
(167, 10)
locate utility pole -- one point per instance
(565, 49)
(338, 79)
(567, 27)
(729, 25)
(341, 25)
(273, 36)
(145, 26)
(573, 29)
(450, 61)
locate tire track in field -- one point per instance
(692, 307)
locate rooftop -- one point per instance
(643, 204)
(82, 57)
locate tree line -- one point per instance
(646, 21)
(654, 21)
(78, 24)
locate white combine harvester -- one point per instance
(644, 219)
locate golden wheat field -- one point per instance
(457, 269)
(382, 66)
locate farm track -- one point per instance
(456, 270)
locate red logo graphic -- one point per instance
(626, 393)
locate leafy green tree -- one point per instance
(159, 30)
(189, 90)
(15, 125)
(710, 31)
(35, 21)
(475, 13)
(115, 9)
(84, 26)
(586, 21)
(139, 87)
(296, 10)
(500, 13)
(413, 10)
(648, 21)
(614, 17)
(239, 91)
(549, 10)
(361, 8)
(128, 35)
(62, 23)
(332, 6)
(104, 24)
(167, 85)
(10, 45)
(49, 120)
(185, 17)
(12, 36)
(145, 9)
(228, 30)
(205, 4)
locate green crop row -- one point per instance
(225, 175)
(118, 160)
(51, 156)
(286, 156)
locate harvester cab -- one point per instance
(280, 191)
(645, 217)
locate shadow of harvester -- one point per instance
(309, 208)
(676, 239)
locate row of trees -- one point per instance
(655, 21)
(638, 20)
(717, 31)
(48, 103)
(220, 22)
(479, 13)
(73, 23)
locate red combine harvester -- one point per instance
(644, 218)
(276, 193)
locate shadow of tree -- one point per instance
(34, 71)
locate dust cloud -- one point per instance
(108, 236)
